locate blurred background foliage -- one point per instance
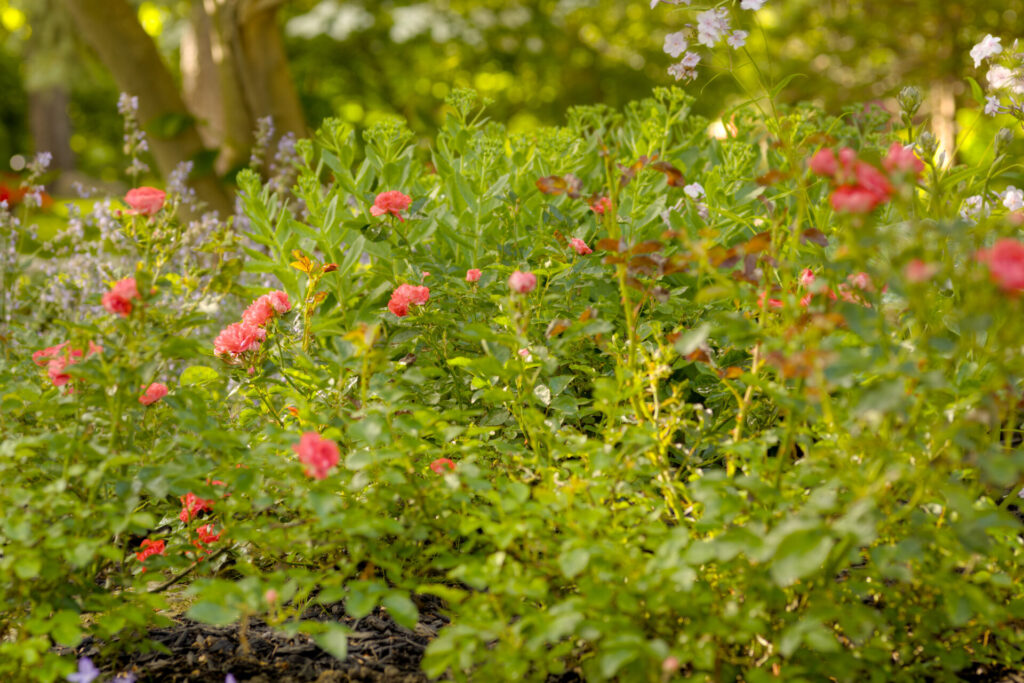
(361, 59)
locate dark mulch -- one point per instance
(378, 650)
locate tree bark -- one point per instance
(112, 29)
(235, 72)
(50, 125)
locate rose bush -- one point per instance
(666, 411)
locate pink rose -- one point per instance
(318, 454)
(192, 505)
(406, 295)
(580, 246)
(279, 300)
(438, 465)
(119, 299)
(903, 160)
(473, 275)
(1005, 262)
(601, 205)
(258, 312)
(393, 202)
(153, 393)
(824, 162)
(145, 201)
(522, 283)
(238, 338)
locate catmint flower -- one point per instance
(737, 39)
(1013, 199)
(988, 47)
(694, 190)
(87, 672)
(675, 44)
(991, 105)
(973, 208)
(712, 25)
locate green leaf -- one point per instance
(800, 554)
(334, 641)
(198, 374)
(689, 342)
(213, 613)
(28, 567)
(401, 609)
(976, 92)
(574, 561)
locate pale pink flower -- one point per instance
(601, 205)
(1005, 262)
(473, 275)
(392, 202)
(988, 47)
(580, 247)
(919, 271)
(279, 300)
(522, 283)
(318, 454)
(119, 299)
(145, 201)
(406, 295)
(439, 465)
(903, 160)
(153, 393)
(237, 338)
(259, 312)
(675, 44)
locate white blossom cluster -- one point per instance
(712, 28)
(1005, 75)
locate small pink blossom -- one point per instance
(153, 393)
(522, 283)
(473, 275)
(119, 299)
(237, 338)
(148, 548)
(58, 358)
(440, 464)
(580, 247)
(919, 271)
(824, 162)
(145, 201)
(772, 303)
(406, 295)
(392, 202)
(1005, 262)
(318, 454)
(903, 160)
(270, 596)
(807, 277)
(601, 205)
(192, 505)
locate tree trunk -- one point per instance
(50, 125)
(112, 29)
(942, 107)
(235, 71)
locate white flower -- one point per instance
(1013, 199)
(1000, 77)
(690, 60)
(988, 47)
(973, 208)
(752, 4)
(712, 24)
(681, 72)
(694, 190)
(675, 44)
(654, 3)
(737, 39)
(991, 105)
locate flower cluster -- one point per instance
(118, 300)
(58, 358)
(859, 187)
(192, 505)
(392, 202)
(406, 295)
(1005, 261)
(713, 26)
(318, 454)
(1005, 79)
(247, 335)
(148, 548)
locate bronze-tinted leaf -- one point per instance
(757, 243)
(732, 373)
(720, 256)
(673, 174)
(699, 356)
(814, 235)
(557, 327)
(644, 264)
(648, 247)
(771, 177)
(609, 244)
(552, 184)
